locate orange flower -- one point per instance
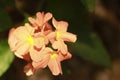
(61, 35)
(31, 42)
(20, 40)
(54, 62)
(50, 58)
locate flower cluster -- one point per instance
(40, 45)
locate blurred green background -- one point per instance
(96, 24)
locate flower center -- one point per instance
(30, 40)
(53, 55)
(58, 35)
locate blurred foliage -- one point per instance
(88, 46)
(95, 53)
(5, 20)
(6, 57)
(7, 3)
(89, 4)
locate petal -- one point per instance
(60, 25)
(51, 35)
(12, 40)
(55, 66)
(47, 17)
(41, 64)
(64, 57)
(68, 37)
(29, 28)
(32, 21)
(22, 49)
(61, 46)
(39, 18)
(39, 42)
(28, 69)
(37, 56)
(21, 33)
(55, 45)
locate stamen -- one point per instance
(30, 40)
(58, 35)
(54, 55)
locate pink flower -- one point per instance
(20, 40)
(60, 35)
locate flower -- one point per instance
(52, 59)
(32, 42)
(42, 28)
(55, 62)
(41, 19)
(41, 39)
(60, 35)
(20, 40)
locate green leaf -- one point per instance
(5, 20)
(6, 57)
(94, 53)
(89, 4)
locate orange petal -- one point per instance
(32, 21)
(60, 25)
(22, 49)
(29, 28)
(61, 46)
(68, 37)
(39, 18)
(37, 56)
(64, 57)
(41, 64)
(12, 40)
(39, 42)
(28, 69)
(21, 33)
(55, 66)
(47, 17)
(51, 35)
